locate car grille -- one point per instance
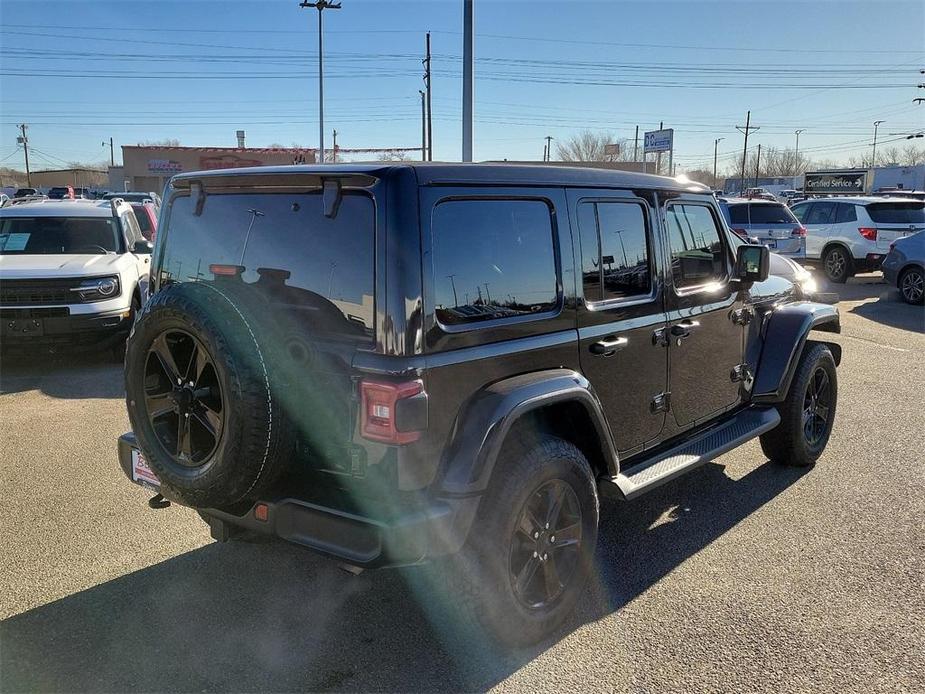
(38, 292)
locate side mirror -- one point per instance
(143, 247)
(752, 263)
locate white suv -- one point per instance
(72, 273)
(849, 235)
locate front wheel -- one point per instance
(807, 415)
(912, 286)
(529, 552)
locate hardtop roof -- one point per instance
(59, 208)
(429, 173)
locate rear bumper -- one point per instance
(437, 528)
(37, 327)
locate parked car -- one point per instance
(904, 267)
(146, 214)
(853, 234)
(4, 199)
(759, 194)
(900, 193)
(72, 273)
(398, 363)
(62, 192)
(25, 192)
(771, 223)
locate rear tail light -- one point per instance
(798, 231)
(226, 270)
(868, 233)
(380, 418)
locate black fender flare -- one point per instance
(784, 334)
(484, 421)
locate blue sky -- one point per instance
(82, 71)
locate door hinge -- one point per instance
(742, 372)
(742, 316)
(661, 402)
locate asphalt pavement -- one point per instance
(741, 576)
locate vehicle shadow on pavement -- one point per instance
(247, 616)
(76, 376)
(892, 311)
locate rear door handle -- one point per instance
(683, 329)
(608, 347)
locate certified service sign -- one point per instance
(835, 181)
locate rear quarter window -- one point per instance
(493, 260)
(897, 212)
(761, 214)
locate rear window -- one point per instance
(282, 246)
(58, 235)
(761, 214)
(493, 259)
(144, 221)
(897, 212)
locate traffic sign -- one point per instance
(658, 140)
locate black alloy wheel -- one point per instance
(546, 547)
(817, 404)
(183, 398)
(837, 265)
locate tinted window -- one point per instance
(614, 250)
(58, 235)
(318, 270)
(799, 211)
(897, 212)
(820, 213)
(697, 255)
(760, 214)
(144, 221)
(845, 213)
(492, 259)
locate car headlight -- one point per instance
(98, 288)
(808, 283)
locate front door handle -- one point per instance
(609, 346)
(683, 329)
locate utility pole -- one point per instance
(320, 5)
(715, 151)
(757, 164)
(468, 79)
(797, 150)
(427, 87)
(545, 145)
(873, 156)
(548, 148)
(423, 125)
(658, 155)
(636, 145)
(112, 155)
(24, 141)
(334, 147)
(746, 130)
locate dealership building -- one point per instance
(150, 167)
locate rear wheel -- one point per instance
(838, 264)
(529, 552)
(807, 415)
(912, 285)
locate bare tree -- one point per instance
(393, 155)
(590, 146)
(913, 156)
(166, 142)
(701, 175)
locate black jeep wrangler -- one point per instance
(398, 363)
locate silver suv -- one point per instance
(772, 223)
(849, 235)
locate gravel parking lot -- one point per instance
(742, 576)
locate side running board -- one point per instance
(694, 452)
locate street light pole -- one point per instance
(715, 150)
(797, 151)
(320, 5)
(873, 156)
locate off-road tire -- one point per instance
(476, 584)
(787, 443)
(837, 264)
(255, 438)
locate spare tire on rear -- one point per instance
(201, 399)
